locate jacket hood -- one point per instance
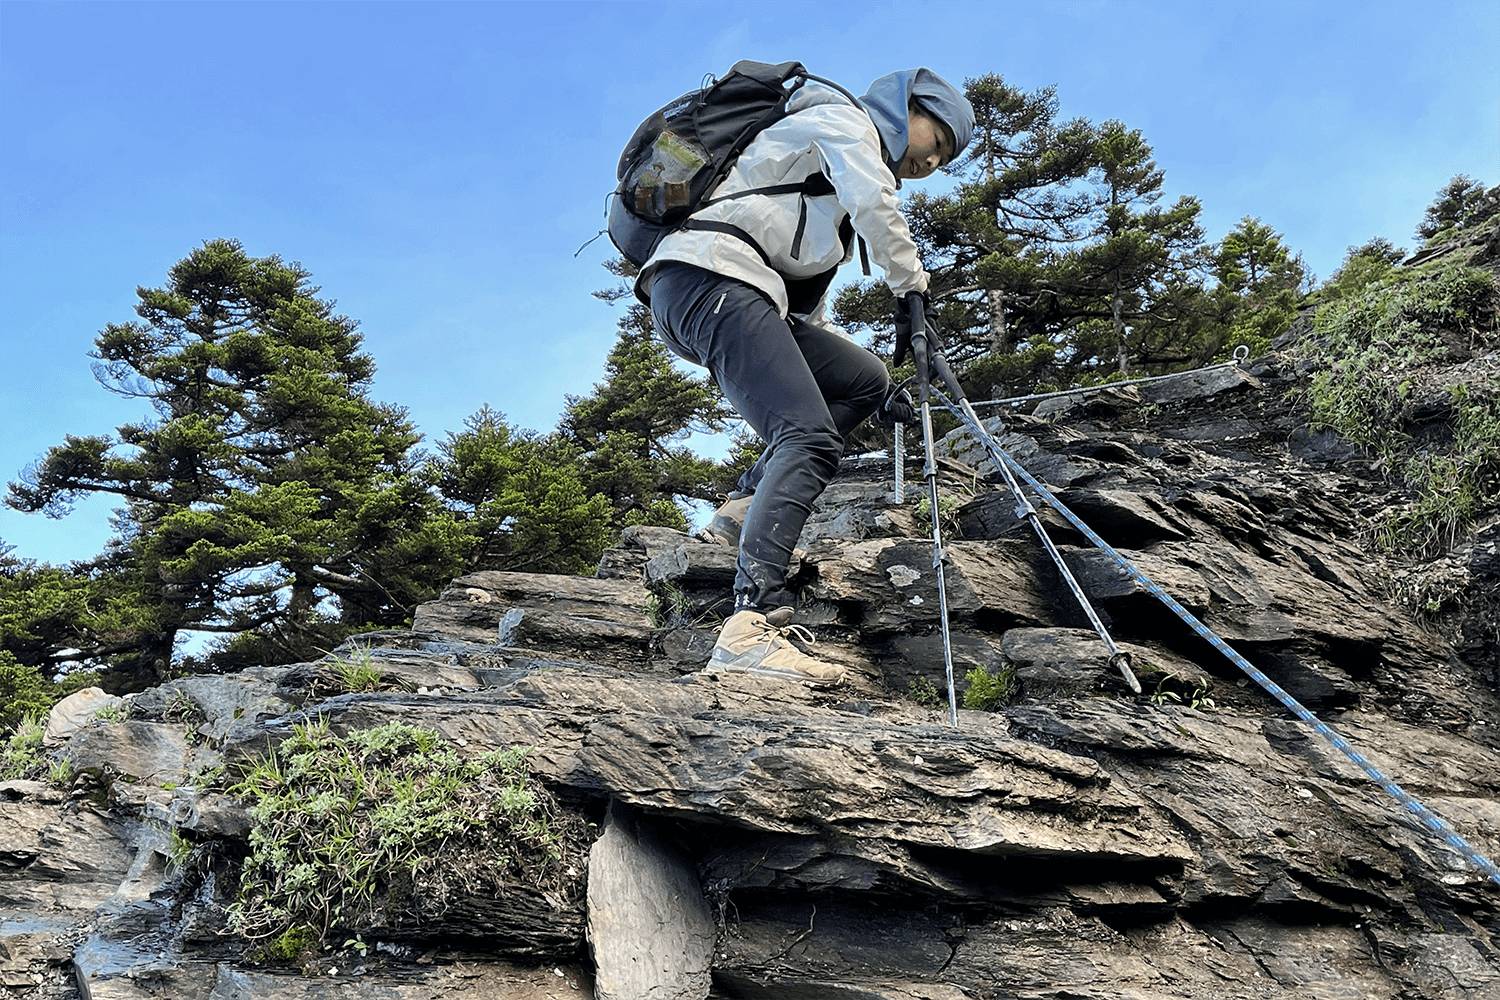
(887, 99)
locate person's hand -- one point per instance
(903, 326)
(897, 408)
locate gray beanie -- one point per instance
(887, 100)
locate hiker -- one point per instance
(741, 289)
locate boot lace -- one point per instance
(790, 631)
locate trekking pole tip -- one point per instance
(1121, 661)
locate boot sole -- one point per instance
(780, 675)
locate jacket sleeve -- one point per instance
(866, 189)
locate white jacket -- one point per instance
(822, 131)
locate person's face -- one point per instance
(929, 146)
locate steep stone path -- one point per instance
(1082, 842)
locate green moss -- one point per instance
(292, 944)
(990, 692)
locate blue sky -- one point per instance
(435, 166)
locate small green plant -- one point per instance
(206, 777)
(1333, 865)
(61, 773)
(181, 708)
(989, 692)
(924, 693)
(21, 751)
(110, 714)
(947, 511)
(1197, 698)
(668, 608)
(357, 671)
(390, 823)
(179, 849)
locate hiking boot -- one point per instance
(724, 527)
(753, 643)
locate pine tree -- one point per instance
(1259, 280)
(628, 432)
(1462, 204)
(1134, 279)
(522, 495)
(269, 495)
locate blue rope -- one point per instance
(1427, 817)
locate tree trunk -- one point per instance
(1123, 355)
(999, 330)
(303, 599)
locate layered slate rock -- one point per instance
(600, 619)
(1080, 841)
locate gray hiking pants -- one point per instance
(800, 387)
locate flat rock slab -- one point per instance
(124, 969)
(1201, 384)
(894, 584)
(652, 539)
(649, 927)
(213, 704)
(1058, 661)
(573, 633)
(57, 859)
(472, 606)
(822, 770)
(151, 752)
(692, 564)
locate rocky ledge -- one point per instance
(756, 838)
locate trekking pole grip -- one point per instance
(916, 309)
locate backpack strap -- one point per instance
(705, 225)
(802, 293)
(815, 185)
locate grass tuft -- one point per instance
(388, 824)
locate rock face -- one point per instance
(766, 839)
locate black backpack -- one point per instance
(681, 153)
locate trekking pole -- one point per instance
(916, 310)
(1024, 510)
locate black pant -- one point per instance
(800, 387)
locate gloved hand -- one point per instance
(903, 326)
(897, 408)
